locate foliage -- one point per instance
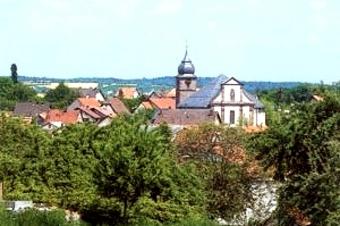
(136, 164)
(219, 156)
(61, 96)
(11, 92)
(14, 74)
(303, 152)
(132, 104)
(35, 218)
(23, 165)
(116, 174)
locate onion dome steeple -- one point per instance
(186, 67)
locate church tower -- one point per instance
(186, 80)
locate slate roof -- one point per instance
(29, 109)
(88, 92)
(184, 116)
(255, 99)
(203, 97)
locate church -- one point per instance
(224, 100)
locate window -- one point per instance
(232, 95)
(232, 117)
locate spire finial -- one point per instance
(186, 50)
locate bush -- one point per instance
(35, 218)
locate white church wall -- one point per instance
(227, 90)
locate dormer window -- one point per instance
(232, 95)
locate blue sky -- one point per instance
(272, 40)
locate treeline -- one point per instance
(11, 93)
(165, 82)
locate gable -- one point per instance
(232, 81)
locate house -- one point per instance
(154, 94)
(127, 93)
(29, 110)
(158, 103)
(84, 102)
(55, 118)
(118, 106)
(186, 117)
(171, 93)
(92, 110)
(95, 115)
(224, 96)
(92, 93)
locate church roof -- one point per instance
(255, 99)
(203, 97)
(186, 68)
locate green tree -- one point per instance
(14, 74)
(136, 172)
(24, 168)
(11, 92)
(61, 96)
(300, 150)
(218, 153)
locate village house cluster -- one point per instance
(222, 101)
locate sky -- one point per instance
(253, 40)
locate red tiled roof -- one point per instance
(88, 102)
(164, 103)
(147, 105)
(127, 92)
(118, 106)
(171, 93)
(66, 117)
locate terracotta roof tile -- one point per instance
(127, 92)
(147, 105)
(88, 102)
(163, 103)
(66, 117)
(118, 106)
(171, 93)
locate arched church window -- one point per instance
(232, 95)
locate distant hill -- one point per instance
(149, 84)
